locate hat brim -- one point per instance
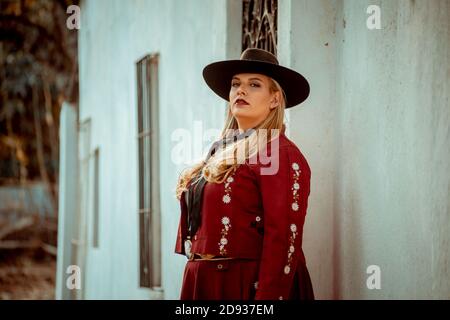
(218, 76)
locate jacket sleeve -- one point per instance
(182, 226)
(285, 200)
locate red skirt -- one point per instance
(234, 280)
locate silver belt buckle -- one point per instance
(187, 249)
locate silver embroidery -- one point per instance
(294, 233)
(295, 186)
(227, 198)
(224, 233)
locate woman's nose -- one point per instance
(240, 91)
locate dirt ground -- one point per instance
(27, 275)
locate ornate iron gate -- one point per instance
(259, 24)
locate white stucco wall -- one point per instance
(67, 190)
(376, 134)
(305, 28)
(394, 150)
(114, 35)
(375, 131)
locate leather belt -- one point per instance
(207, 257)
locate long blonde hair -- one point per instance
(225, 161)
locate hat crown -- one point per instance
(256, 54)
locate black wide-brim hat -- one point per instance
(218, 75)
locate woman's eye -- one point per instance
(236, 84)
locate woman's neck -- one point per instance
(244, 125)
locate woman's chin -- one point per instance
(240, 112)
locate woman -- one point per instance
(243, 208)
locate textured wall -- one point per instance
(394, 150)
(377, 132)
(305, 29)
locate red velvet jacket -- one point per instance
(257, 215)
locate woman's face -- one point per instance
(251, 99)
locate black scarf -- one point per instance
(194, 192)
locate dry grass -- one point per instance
(27, 275)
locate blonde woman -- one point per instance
(243, 208)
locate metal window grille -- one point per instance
(259, 25)
(149, 212)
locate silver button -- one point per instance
(287, 269)
(220, 266)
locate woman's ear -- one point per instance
(275, 102)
